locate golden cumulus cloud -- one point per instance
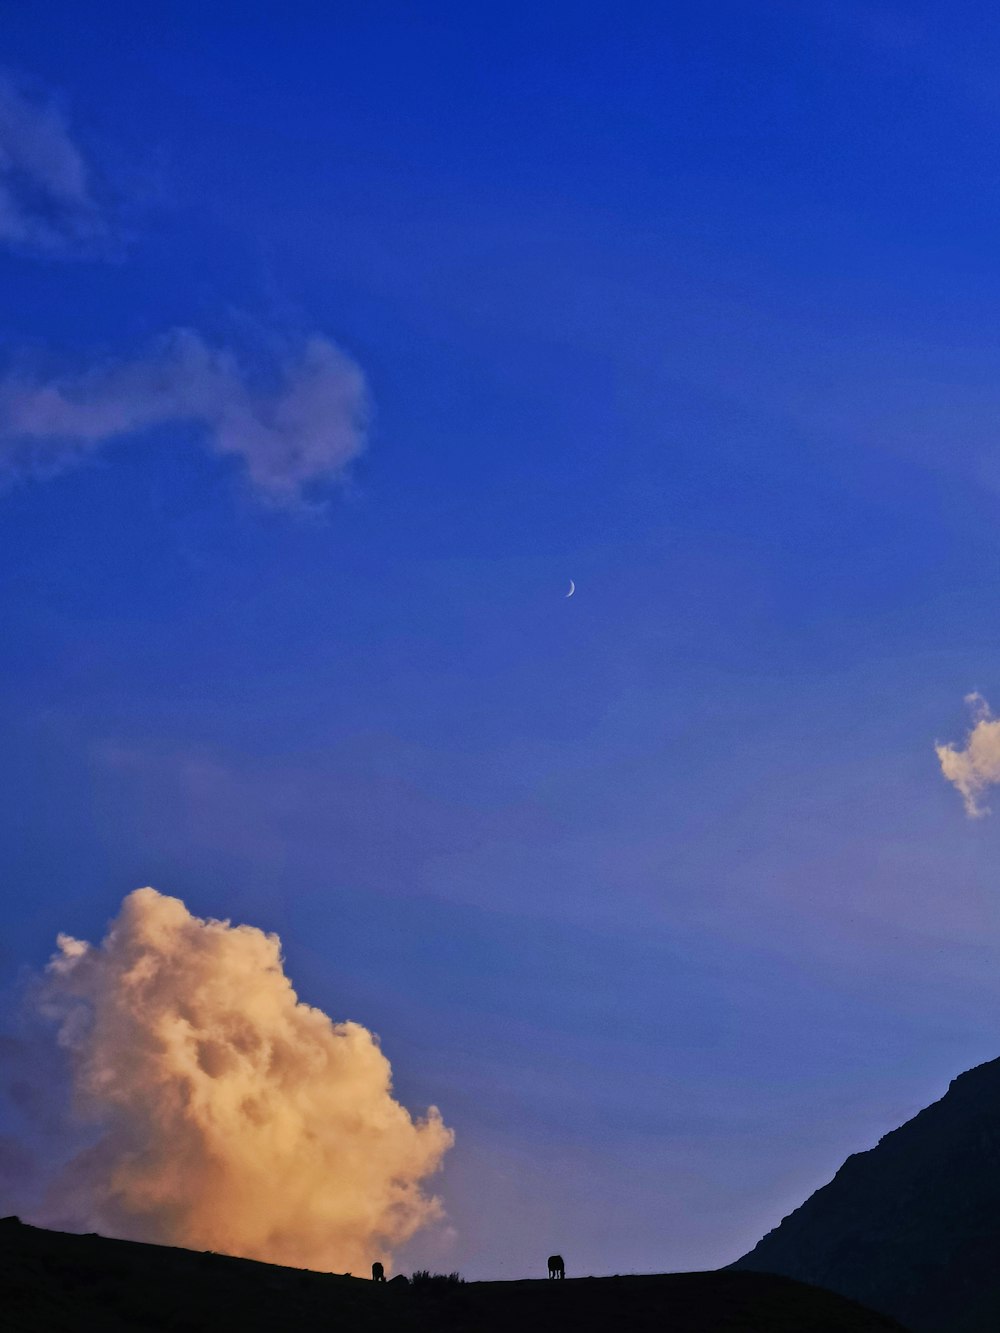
(233, 1117)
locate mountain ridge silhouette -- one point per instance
(910, 1227)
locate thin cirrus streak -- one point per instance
(47, 202)
(233, 1117)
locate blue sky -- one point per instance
(657, 892)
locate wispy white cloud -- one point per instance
(976, 768)
(300, 426)
(46, 186)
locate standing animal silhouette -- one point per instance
(378, 1272)
(556, 1266)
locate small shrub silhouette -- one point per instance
(435, 1281)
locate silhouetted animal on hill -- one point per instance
(52, 1282)
(556, 1266)
(378, 1272)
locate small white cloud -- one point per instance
(303, 427)
(976, 768)
(46, 191)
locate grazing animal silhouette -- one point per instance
(378, 1272)
(556, 1266)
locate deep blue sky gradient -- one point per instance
(657, 892)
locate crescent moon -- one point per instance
(572, 588)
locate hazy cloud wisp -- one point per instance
(976, 768)
(298, 430)
(46, 193)
(234, 1117)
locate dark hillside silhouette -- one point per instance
(911, 1227)
(55, 1283)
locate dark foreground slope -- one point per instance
(913, 1226)
(54, 1283)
